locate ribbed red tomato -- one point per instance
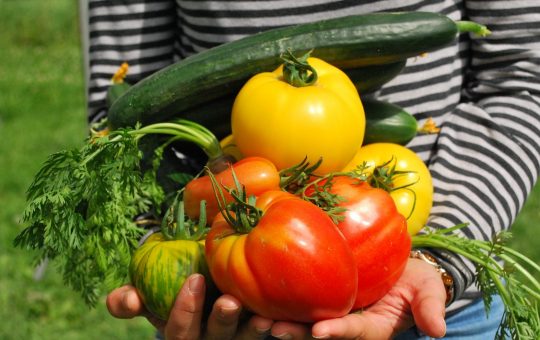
(294, 265)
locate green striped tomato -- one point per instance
(159, 268)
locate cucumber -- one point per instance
(387, 122)
(216, 114)
(348, 42)
(370, 78)
(115, 91)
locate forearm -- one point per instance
(487, 157)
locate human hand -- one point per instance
(417, 298)
(186, 315)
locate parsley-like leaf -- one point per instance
(80, 210)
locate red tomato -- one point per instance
(256, 173)
(377, 235)
(293, 265)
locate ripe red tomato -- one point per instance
(376, 233)
(293, 265)
(256, 173)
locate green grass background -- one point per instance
(42, 111)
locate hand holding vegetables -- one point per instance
(186, 316)
(420, 286)
(417, 298)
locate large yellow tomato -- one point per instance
(411, 190)
(285, 124)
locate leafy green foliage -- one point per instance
(81, 209)
(499, 270)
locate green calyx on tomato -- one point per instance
(297, 71)
(240, 213)
(384, 176)
(160, 266)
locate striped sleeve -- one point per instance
(140, 32)
(486, 159)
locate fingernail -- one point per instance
(228, 309)
(325, 336)
(195, 284)
(284, 336)
(444, 332)
(262, 331)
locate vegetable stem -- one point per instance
(472, 27)
(297, 71)
(242, 214)
(175, 226)
(521, 318)
(188, 131)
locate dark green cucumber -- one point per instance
(387, 123)
(370, 78)
(347, 42)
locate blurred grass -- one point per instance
(42, 111)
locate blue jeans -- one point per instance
(470, 323)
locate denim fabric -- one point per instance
(470, 323)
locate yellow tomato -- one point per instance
(412, 190)
(285, 124)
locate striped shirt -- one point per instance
(483, 93)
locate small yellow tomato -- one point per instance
(273, 119)
(412, 190)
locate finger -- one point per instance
(428, 307)
(125, 303)
(186, 314)
(257, 328)
(290, 331)
(353, 326)
(223, 320)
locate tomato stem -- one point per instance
(294, 178)
(175, 225)
(384, 176)
(297, 71)
(241, 214)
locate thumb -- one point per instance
(186, 314)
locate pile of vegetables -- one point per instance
(307, 208)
